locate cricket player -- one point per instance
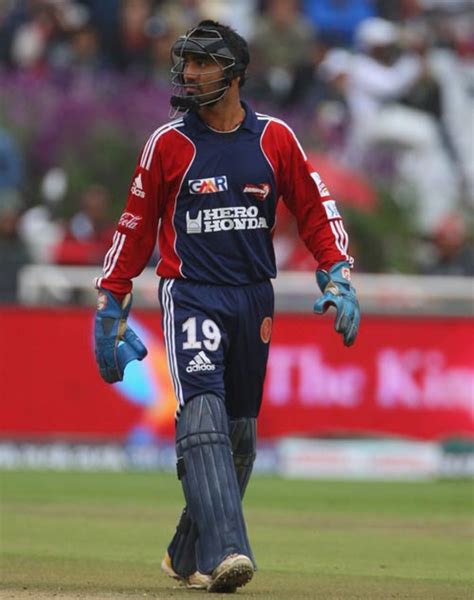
(207, 184)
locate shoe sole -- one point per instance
(236, 575)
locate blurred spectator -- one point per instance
(13, 252)
(89, 233)
(162, 35)
(11, 163)
(85, 53)
(39, 226)
(132, 48)
(282, 43)
(399, 11)
(320, 91)
(35, 40)
(396, 104)
(337, 20)
(382, 75)
(453, 250)
(240, 15)
(181, 16)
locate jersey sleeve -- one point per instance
(135, 237)
(320, 225)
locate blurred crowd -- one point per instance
(382, 90)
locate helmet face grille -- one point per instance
(205, 42)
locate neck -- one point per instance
(225, 115)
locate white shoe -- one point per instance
(234, 571)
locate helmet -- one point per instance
(221, 44)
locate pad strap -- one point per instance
(243, 436)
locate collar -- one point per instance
(250, 121)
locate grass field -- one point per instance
(102, 535)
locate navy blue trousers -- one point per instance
(217, 340)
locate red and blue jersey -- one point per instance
(211, 199)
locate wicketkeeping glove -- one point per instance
(116, 344)
(338, 291)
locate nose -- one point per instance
(189, 73)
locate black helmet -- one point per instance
(220, 43)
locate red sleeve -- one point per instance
(135, 237)
(319, 223)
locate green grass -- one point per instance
(102, 536)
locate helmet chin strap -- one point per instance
(184, 103)
(190, 103)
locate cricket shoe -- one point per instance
(234, 571)
(195, 581)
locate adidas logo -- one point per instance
(200, 363)
(137, 186)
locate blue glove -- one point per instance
(338, 291)
(115, 343)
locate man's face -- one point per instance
(202, 75)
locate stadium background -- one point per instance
(82, 85)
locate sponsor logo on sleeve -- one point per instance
(258, 190)
(129, 220)
(331, 210)
(137, 186)
(323, 190)
(211, 185)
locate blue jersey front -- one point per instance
(225, 210)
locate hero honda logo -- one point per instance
(210, 185)
(211, 220)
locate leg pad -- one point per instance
(209, 481)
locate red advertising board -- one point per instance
(404, 376)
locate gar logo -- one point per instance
(211, 185)
(258, 190)
(129, 220)
(137, 186)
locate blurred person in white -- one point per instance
(381, 77)
(283, 43)
(240, 15)
(39, 227)
(40, 32)
(452, 60)
(35, 36)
